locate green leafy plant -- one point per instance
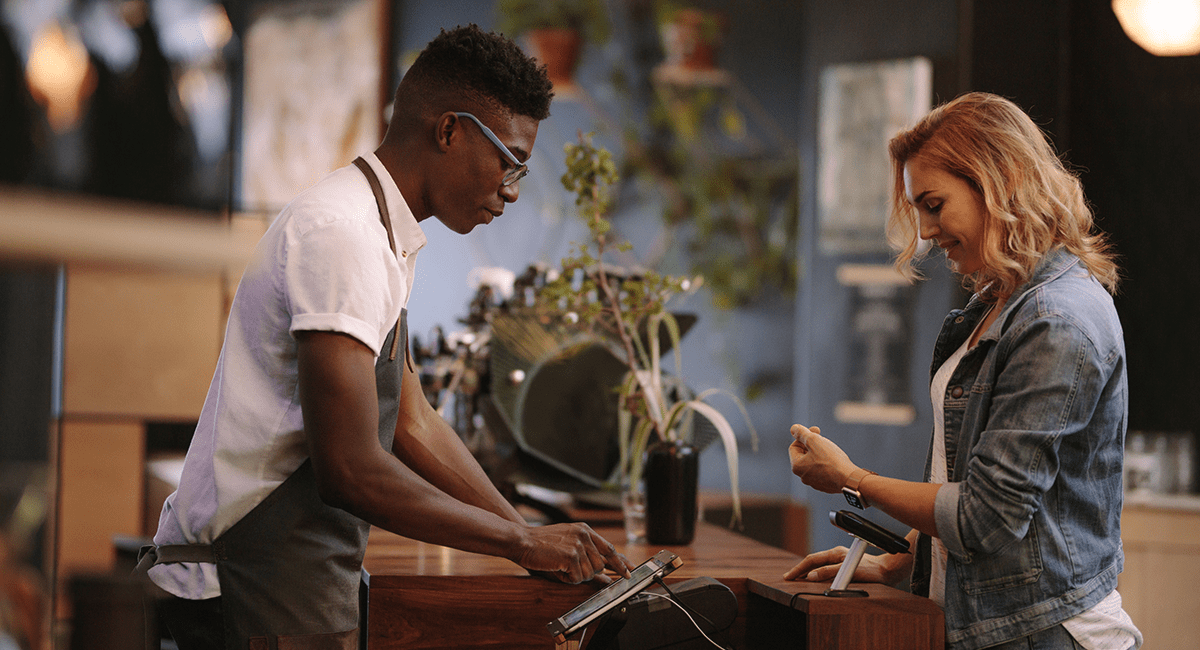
(734, 214)
(588, 17)
(726, 176)
(631, 308)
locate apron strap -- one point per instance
(151, 555)
(377, 190)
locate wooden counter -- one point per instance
(1162, 561)
(426, 596)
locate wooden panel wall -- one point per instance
(102, 491)
(140, 343)
(139, 346)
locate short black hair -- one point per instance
(471, 61)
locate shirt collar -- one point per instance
(409, 236)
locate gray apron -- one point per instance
(290, 569)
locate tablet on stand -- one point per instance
(614, 594)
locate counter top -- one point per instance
(1145, 499)
(427, 596)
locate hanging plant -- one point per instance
(733, 208)
(555, 31)
(691, 37)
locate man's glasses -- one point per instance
(519, 169)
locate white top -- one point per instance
(1105, 626)
(937, 471)
(324, 264)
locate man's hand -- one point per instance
(823, 566)
(571, 553)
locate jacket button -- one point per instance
(956, 392)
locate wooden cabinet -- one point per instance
(145, 303)
(138, 347)
(1161, 536)
(101, 492)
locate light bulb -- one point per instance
(1161, 27)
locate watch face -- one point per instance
(853, 498)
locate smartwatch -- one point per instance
(850, 491)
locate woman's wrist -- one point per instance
(852, 487)
(897, 567)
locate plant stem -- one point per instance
(610, 296)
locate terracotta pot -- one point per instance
(686, 43)
(558, 50)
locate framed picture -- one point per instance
(862, 105)
(880, 346)
(313, 97)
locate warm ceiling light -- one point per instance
(214, 24)
(59, 74)
(1161, 27)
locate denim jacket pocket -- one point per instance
(1017, 566)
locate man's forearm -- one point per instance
(387, 493)
(341, 418)
(430, 447)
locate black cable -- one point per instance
(684, 609)
(684, 606)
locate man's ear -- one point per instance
(446, 130)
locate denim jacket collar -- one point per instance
(960, 323)
(1056, 262)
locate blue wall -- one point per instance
(777, 50)
(835, 32)
(725, 348)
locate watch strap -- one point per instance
(852, 482)
(857, 476)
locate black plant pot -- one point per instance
(671, 473)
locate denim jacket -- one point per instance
(1035, 426)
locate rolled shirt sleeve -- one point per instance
(339, 278)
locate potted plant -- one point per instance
(656, 409)
(555, 31)
(730, 202)
(691, 37)
(698, 144)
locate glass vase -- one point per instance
(633, 507)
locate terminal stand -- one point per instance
(864, 532)
(849, 565)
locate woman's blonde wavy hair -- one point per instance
(1033, 203)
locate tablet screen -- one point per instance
(662, 563)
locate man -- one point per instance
(315, 425)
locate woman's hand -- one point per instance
(819, 463)
(823, 466)
(823, 566)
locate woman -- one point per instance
(1017, 528)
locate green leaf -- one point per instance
(704, 394)
(731, 453)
